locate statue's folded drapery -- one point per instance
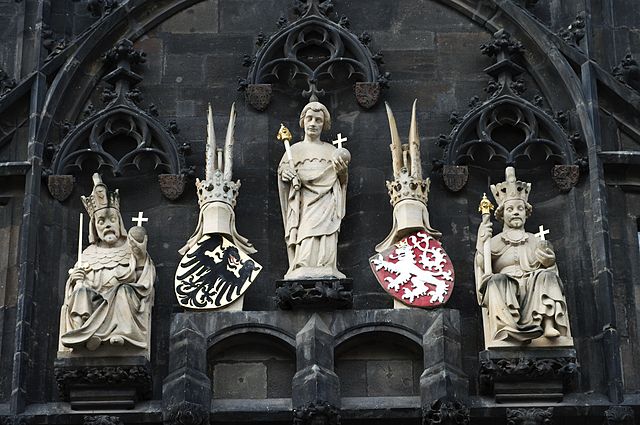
(112, 304)
(312, 213)
(524, 289)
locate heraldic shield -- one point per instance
(214, 273)
(416, 271)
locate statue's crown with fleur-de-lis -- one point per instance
(217, 189)
(407, 168)
(217, 185)
(510, 188)
(100, 197)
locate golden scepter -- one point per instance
(485, 208)
(285, 136)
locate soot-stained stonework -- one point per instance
(370, 362)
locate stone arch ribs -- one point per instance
(121, 118)
(313, 55)
(531, 130)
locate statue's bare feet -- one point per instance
(549, 330)
(93, 343)
(116, 340)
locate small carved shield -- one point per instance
(213, 274)
(258, 95)
(367, 94)
(416, 271)
(171, 185)
(565, 176)
(60, 186)
(455, 176)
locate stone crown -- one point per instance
(406, 186)
(100, 197)
(217, 189)
(511, 188)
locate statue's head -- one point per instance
(104, 210)
(514, 213)
(107, 224)
(315, 118)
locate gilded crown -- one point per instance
(100, 197)
(217, 189)
(510, 188)
(406, 186)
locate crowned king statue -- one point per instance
(109, 292)
(517, 281)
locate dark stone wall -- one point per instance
(432, 53)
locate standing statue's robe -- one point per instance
(116, 301)
(313, 213)
(524, 288)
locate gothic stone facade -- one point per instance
(571, 79)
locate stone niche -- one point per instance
(251, 366)
(379, 364)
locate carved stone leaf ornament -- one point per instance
(213, 274)
(416, 271)
(533, 416)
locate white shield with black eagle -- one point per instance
(214, 273)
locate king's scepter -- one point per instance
(285, 136)
(485, 208)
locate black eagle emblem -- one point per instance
(212, 275)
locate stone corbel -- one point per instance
(534, 416)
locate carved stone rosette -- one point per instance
(619, 415)
(316, 413)
(186, 413)
(534, 416)
(446, 413)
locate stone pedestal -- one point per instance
(527, 375)
(103, 382)
(317, 294)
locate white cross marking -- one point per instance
(139, 219)
(542, 232)
(339, 140)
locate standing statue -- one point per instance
(312, 183)
(109, 292)
(517, 280)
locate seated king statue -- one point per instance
(109, 292)
(519, 288)
(313, 191)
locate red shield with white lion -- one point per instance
(416, 271)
